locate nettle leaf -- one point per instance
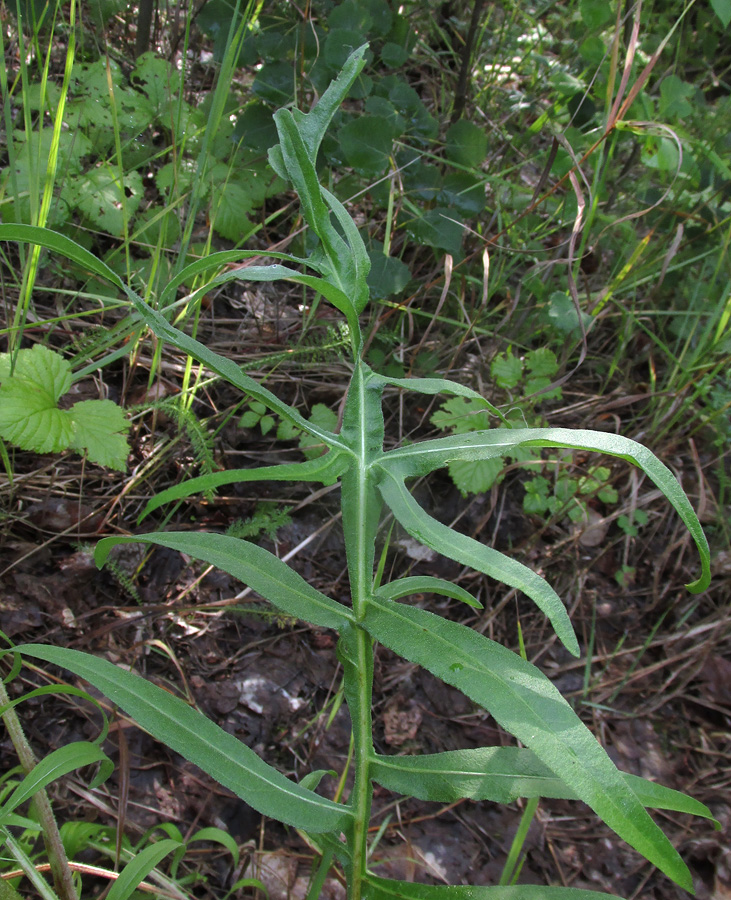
(104, 201)
(30, 417)
(153, 75)
(466, 144)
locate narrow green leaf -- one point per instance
(433, 386)
(524, 702)
(427, 530)
(261, 570)
(502, 775)
(224, 367)
(417, 584)
(419, 459)
(59, 243)
(197, 739)
(324, 469)
(57, 764)
(139, 867)
(313, 125)
(388, 889)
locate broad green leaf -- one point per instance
(192, 735)
(542, 362)
(57, 764)
(419, 459)
(389, 889)
(99, 427)
(422, 527)
(722, 9)
(387, 276)
(596, 13)
(29, 416)
(367, 142)
(466, 144)
(524, 702)
(256, 567)
(418, 584)
(139, 867)
(463, 193)
(502, 775)
(460, 415)
(438, 228)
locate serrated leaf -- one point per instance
(476, 476)
(29, 417)
(153, 74)
(104, 202)
(99, 427)
(461, 415)
(466, 144)
(541, 362)
(507, 370)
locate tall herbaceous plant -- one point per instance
(556, 755)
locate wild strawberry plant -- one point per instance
(555, 755)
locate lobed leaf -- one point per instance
(524, 702)
(192, 735)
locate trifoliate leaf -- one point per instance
(99, 427)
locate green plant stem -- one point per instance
(62, 877)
